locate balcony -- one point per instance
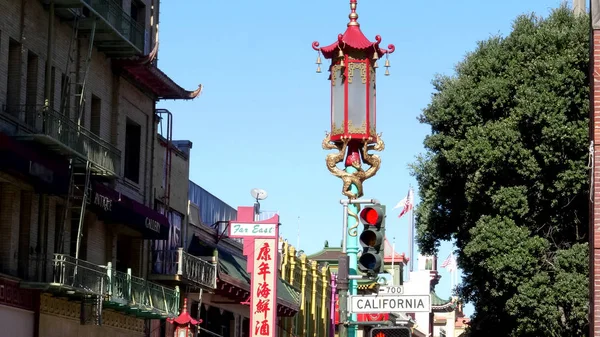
(179, 266)
(120, 291)
(62, 135)
(117, 33)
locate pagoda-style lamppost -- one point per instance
(184, 323)
(354, 61)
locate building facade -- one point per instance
(78, 87)
(209, 267)
(316, 296)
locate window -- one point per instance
(138, 12)
(65, 102)
(95, 115)
(31, 88)
(53, 88)
(13, 93)
(133, 136)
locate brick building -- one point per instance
(78, 209)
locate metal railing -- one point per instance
(137, 293)
(79, 274)
(193, 268)
(82, 277)
(43, 121)
(120, 20)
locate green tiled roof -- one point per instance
(440, 304)
(234, 266)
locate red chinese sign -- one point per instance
(261, 249)
(264, 300)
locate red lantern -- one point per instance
(184, 322)
(353, 67)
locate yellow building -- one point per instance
(315, 316)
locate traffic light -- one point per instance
(372, 239)
(391, 331)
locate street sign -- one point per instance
(391, 290)
(241, 230)
(390, 303)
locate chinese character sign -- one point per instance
(264, 299)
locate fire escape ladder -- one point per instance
(168, 155)
(91, 310)
(77, 199)
(81, 181)
(82, 78)
(67, 84)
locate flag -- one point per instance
(449, 263)
(406, 204)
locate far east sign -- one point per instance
(390, 303)
(260, 248)
(262, 230)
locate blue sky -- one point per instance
(264, 111)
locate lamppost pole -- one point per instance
(353, 134)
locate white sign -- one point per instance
(266, 230)
(390, 303)
(391, 290)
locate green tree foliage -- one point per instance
(505, 175)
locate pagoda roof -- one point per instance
(184, 318)
(327, 254)
(353, 38)
(439, 304)
(143, 70)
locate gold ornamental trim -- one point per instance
(360, 66)
(357, 129)
(356, 178)
(71, 310)
(335, 130)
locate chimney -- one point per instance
(184, 146)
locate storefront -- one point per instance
(17, 317)
(226, 311)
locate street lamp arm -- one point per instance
(346, 202)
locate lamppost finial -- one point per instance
(353, 16)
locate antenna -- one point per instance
(257, 194)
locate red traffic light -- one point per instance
(371, 215)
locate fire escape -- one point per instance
(60, 128)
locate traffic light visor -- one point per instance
(371, 216)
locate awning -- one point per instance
(232, 270)
(50, 174)
(114, 207)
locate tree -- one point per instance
(505, 175)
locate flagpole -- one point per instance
(411, 239)
(393, 255)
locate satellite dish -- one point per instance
(258, 194)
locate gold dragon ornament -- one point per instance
(357, 178)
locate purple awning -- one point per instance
(117, 208)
